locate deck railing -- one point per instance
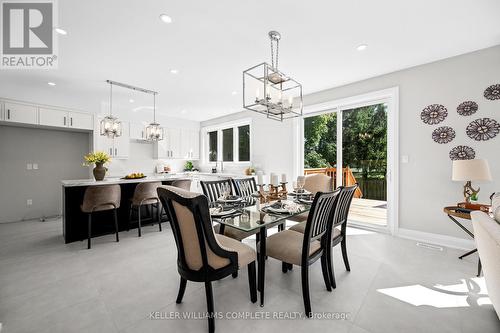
(347, 177)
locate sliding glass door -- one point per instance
(354, 138)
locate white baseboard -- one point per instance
(437, 239)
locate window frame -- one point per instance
(219, 128)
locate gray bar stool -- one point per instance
(145, 195)
(100, 198)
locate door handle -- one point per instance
(64, 121)
(71, 121)
(110, 151)
(116, 151)
(8, 113)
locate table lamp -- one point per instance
(469, 170)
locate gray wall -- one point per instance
(58, 155)
(425, 185)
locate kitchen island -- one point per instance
(75, 222)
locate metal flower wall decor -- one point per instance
(443, 134)
(492, 92)
(462, 153)
(483, 129)
(433, 114)
(467, 108)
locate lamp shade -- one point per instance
(466, 170)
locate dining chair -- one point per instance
(202, 255)
(337, 235)
(245, 187)
(185, 184)
(303, 249)
(314, 183)
(213, 190)
(100, 198)
(145, 195)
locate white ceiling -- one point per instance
(212, 42)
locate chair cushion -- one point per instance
(287, 246)
(246, 254)
(145, 202)
(235, 233)
(301, 227)
(299, 218)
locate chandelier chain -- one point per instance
(111, 99)
(274, 61)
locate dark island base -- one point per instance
(75, 222)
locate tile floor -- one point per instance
(394, 286)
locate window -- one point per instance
(228, 142)
(244, 143)
(212, 146)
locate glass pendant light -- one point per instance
(110, 125)
(154, 132)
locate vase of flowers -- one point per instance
(98, 158)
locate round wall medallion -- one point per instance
(462, 153)
(467, 108)
(433, 114)
(492, 92)
(443, 134)
(483, 129)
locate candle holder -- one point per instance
(275, 192)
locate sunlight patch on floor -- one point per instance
(464, 294)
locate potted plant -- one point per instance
(98, 158)
(188, 166)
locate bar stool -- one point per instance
(185, 184)
(145, 195)
(100, 198)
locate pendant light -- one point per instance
(110, 125)
(154, 132)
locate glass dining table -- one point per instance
(251, 219)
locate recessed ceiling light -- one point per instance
(165, 18)
(61, 31)
(234, 93)
(183, 111)
(51, 84)
(362, 47)
(174, 71)
(131, 100)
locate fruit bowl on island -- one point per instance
(135, 175)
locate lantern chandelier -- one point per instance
(269, 91)
(111, 127)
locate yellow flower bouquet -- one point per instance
(98, 158)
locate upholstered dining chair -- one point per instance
(145, 195)
(338, 233)
(101, 198)
(185, 184)
(303, 249)
(314, 183)
(203, 256)
(213, 190)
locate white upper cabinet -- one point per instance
(137, 131)
(190, 144)
(20, 113)
(63, 118)
(178, 144)
(80, 120)
(174, 136)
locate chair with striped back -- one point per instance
(245, 187)
(213, 190)
(303, 249)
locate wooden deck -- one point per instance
(368, 211)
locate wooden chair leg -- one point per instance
(234, 275)
(305, 289)
(284, 267)
(324, 269)
(182, 289)
(329, 262)
(252, 281)
(139, 220)
(210, 306)
(290, 267)
(89, 230)
(115, 216)
(129, 218)
(344, 255)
